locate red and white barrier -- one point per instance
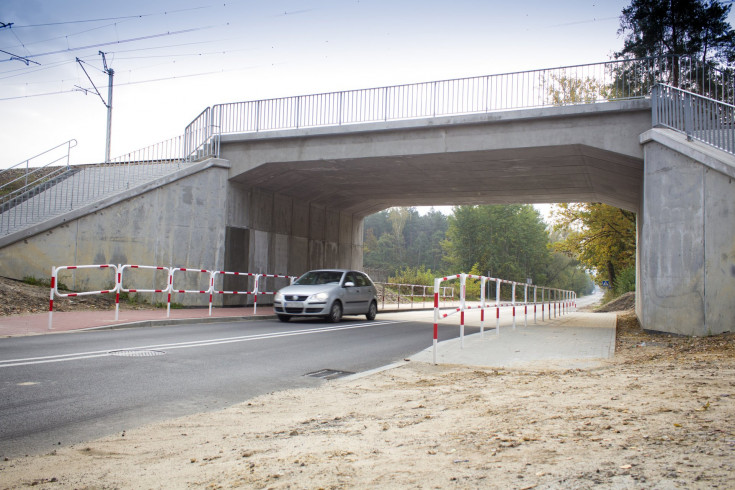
(291, 279)
(171, 273)
(172, 289)
(167, 289)
(560, 303)
(234, 292)
(55, 289)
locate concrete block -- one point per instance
(298, 255)
(261, 210)
(331, 226)
(300, 219)
(719, 252)
(238, 205)
(237, 259)
(345, 228)
(279, 256)
(673, 253)
(316, 254)
(282, 214)
(331, 254)
(316, 222)
(259, 247)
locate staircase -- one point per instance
(78, 187)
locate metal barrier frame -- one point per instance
(55, 287)
(563, 301)
(169, 289)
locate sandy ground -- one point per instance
(661, 414)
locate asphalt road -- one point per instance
(69, 388)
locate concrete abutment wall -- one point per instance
(195, 219)
(687, 237)
(272, 233)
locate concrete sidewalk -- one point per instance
(576, 340)
(38, 323)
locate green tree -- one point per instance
(678, 28)
(399, 238)
(599, 236)
(565, 90)
(509, 242)
(695, 28)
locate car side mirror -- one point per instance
(349, 284)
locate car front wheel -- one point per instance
(372, 311)
(284, 318)
(335, 312)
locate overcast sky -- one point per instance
(174, 58)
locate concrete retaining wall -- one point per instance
(178, 223)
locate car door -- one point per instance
(360, 294)
(351, 294)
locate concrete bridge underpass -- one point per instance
(286, 201)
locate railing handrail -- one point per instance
(448, 80)
(695, 95)
(702, 118)
(26, 160)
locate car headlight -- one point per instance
(318, 298)
(278, 297)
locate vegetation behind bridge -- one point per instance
(505, 241)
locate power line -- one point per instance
(139, 16)
(15, 57)
(140, 38)
(17, 97)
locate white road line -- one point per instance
(185, 345)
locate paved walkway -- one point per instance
(38, 323)
(577, 340)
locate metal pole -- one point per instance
(111, 74)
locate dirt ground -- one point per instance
(660, 414)
(17, 297)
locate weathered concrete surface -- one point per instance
(687, 238)
(273, 233)
(558, 154)
(176, 221)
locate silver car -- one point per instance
(328, 293)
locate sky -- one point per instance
(173, 58)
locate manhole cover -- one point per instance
(329, 374)
(136, 353)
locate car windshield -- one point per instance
(319, 277)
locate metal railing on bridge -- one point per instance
(698, 117)
(578, 84)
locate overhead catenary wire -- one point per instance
(140, 82)
(109, 43)
(137, 16)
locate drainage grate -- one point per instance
(136, 353)
(329, 374)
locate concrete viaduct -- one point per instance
(287, 201)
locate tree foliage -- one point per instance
(678, 29)
(509, 242)
(601, 237)
(564, 89)
(696, 28)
